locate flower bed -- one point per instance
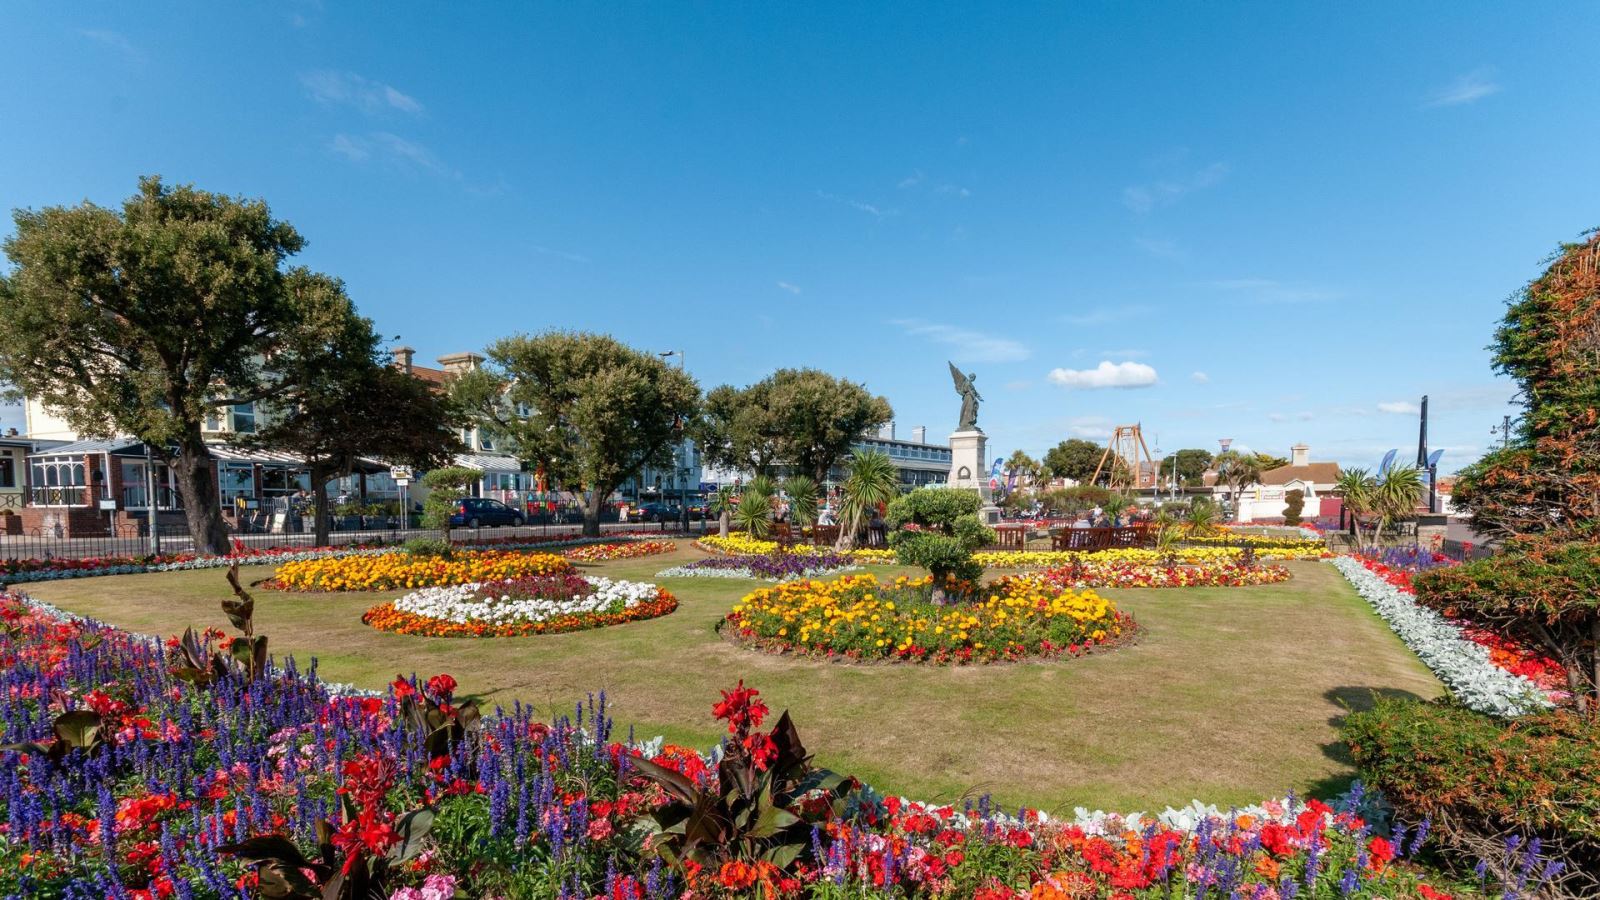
(1310, 543)
(744, 545)
(1465, 666)
(546, 604)
(1028, 559)
(619, 550)
(401, 571)
(1222, 573)
(209, 792)
(859, 618)
(20, 571)
(765, 566)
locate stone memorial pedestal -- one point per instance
(969, 470)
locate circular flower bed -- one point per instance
(545, 604)
(767, 566)
(857, 617)
(744, 545)
(1093, 573)
(619, 550)
(400, 571)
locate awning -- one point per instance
(489, 462)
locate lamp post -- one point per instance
(1504, 430)
(150, 500)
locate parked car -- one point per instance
(657, 512)
(699, 509)
(474, 512)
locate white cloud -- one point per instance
(1141, 198)
(1106, 315)
(876, 212)
(1200, 378)
(1399, 408)
(116, 41)
(791, 288)
(1106, 375)
(350, 89)
(1090, 427)
(559, 254)
(391, 148)
(910, 181)
(1277, 417)
(1468, 88)
(971, 346)
(1304, 416)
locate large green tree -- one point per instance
(1192, 464)
(354, 407)
(145, 320)
(1547, 479)
(1238, 471)
(598, 411)
(804, 420)
(1073, 458)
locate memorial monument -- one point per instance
(969, 465)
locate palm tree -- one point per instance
(1202, 513)
(722, 505)
(802, 491)
(1396, 497)
(1358, 489)
(754, 514)
(1238, 471)
(870, 479)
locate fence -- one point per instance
(1466, 551)
(134, 540)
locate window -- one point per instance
(8, 472)
(237, 480)
(485, 442)
(244, 418)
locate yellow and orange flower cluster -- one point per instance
(858, 617)
(619, 550)
(744, 545)
(402, 571)
(385, 617)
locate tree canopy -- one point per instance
(598, 411)
(146, 320)
(1074, 458)
(1192, 463)
(1548, 477)
(802, 419)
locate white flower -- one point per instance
(468, 604)
(1461, 663)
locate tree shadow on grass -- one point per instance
(1350, 699)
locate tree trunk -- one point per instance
(202, 508)
(722, 523)
(591, 513)
(319, 505)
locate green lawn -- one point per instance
(1230, 695)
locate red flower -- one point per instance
(442, 686)
(402, 688)
(1379, 852)
(741, 708)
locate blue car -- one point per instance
(476, 512)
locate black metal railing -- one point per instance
(133, 539)
(138, 497)
(68, 495)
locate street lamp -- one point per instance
(667, 354)
(1504, 431)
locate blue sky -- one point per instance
(1270, 222)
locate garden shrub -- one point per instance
(1294, 503)
(1479, 780)
(428, 547)
(1541, 593)
(939, 530)
(445, 488)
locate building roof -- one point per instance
(432, 376)
(1310, 473)
(79, 448)
(489, 462)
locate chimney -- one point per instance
(1300, 455)
(920, 434)
(402, 358)
(886, 432)
(460, 362)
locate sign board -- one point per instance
(108, 505)
(401, 475)
(708, 487)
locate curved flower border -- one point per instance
(389, 617)
(1462, 664)
(601, 552)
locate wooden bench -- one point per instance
(1087, 540)
(1012, 537)
(824, 535)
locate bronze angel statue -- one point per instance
(969, 398)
